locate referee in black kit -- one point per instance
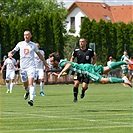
(83, 55)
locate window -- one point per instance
(72, 22)
(82, 18)
(107, 17)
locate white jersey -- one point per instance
(27, 50)
(109, 62)
(10, 64)
(122, 58)
(38, 61)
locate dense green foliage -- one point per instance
(45, 20)
(104, 109)
(24, 8)
(44, 28)
(109, 38)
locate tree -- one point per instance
(58, 35)
(122, 38)
(24, 8)
(44, 35)
(71, 42)
(86, 29)
(4, 34)
(130, 29)
(102, 45)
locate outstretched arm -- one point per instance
(12, 52)
(42, 58)
(67, 66)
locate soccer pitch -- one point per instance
(104, 109)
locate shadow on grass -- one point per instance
(113, 110)
(43, 106)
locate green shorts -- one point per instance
(94, 73)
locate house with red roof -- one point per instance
(95, 10)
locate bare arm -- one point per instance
(94, 59)
(67, 66)
(56, 74)
(2, 68)
(43, 59)
(72, 59)
(13, 52)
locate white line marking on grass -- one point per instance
(58, 117)
(65, 129)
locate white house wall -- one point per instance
(77, 13)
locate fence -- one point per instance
(114, 73)
(50, 79)
(68, 79)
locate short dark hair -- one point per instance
(55, 56)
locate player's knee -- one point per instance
(7, 81)
(25, 84)
(76, 84)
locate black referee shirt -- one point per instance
(83, 56)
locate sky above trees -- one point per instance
(110, 2)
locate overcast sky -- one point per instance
(110, 2)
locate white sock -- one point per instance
(8, 86)
(41, 86)
(11, 86)
(32, 92)
(34, 88)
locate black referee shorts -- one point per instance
(82, 79)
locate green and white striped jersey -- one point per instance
(87, 70)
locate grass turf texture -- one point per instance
(105, 109)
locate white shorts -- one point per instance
(10, 75)
(27, 73)
(39, 74)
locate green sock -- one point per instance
(116, 64)
(115, 80)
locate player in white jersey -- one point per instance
(124, 67)
(39, 74)
(10, 64)
(26, 50)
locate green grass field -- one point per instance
(105, 109)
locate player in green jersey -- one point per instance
(90, 71)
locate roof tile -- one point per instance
(97, 11)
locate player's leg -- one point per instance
(75, 88)
(11, 85)
(41, 79)
(7, 86)
(24, 79)
(12, 75)
(85, 82)
(34, 84)
(115, 80)
(31, 90)
(31, 74)
(16, 77)
(113, 66)
(35, 81)
(8, 81)
(42, 87)
(131, 73)
(4, 77)
(111, 80)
